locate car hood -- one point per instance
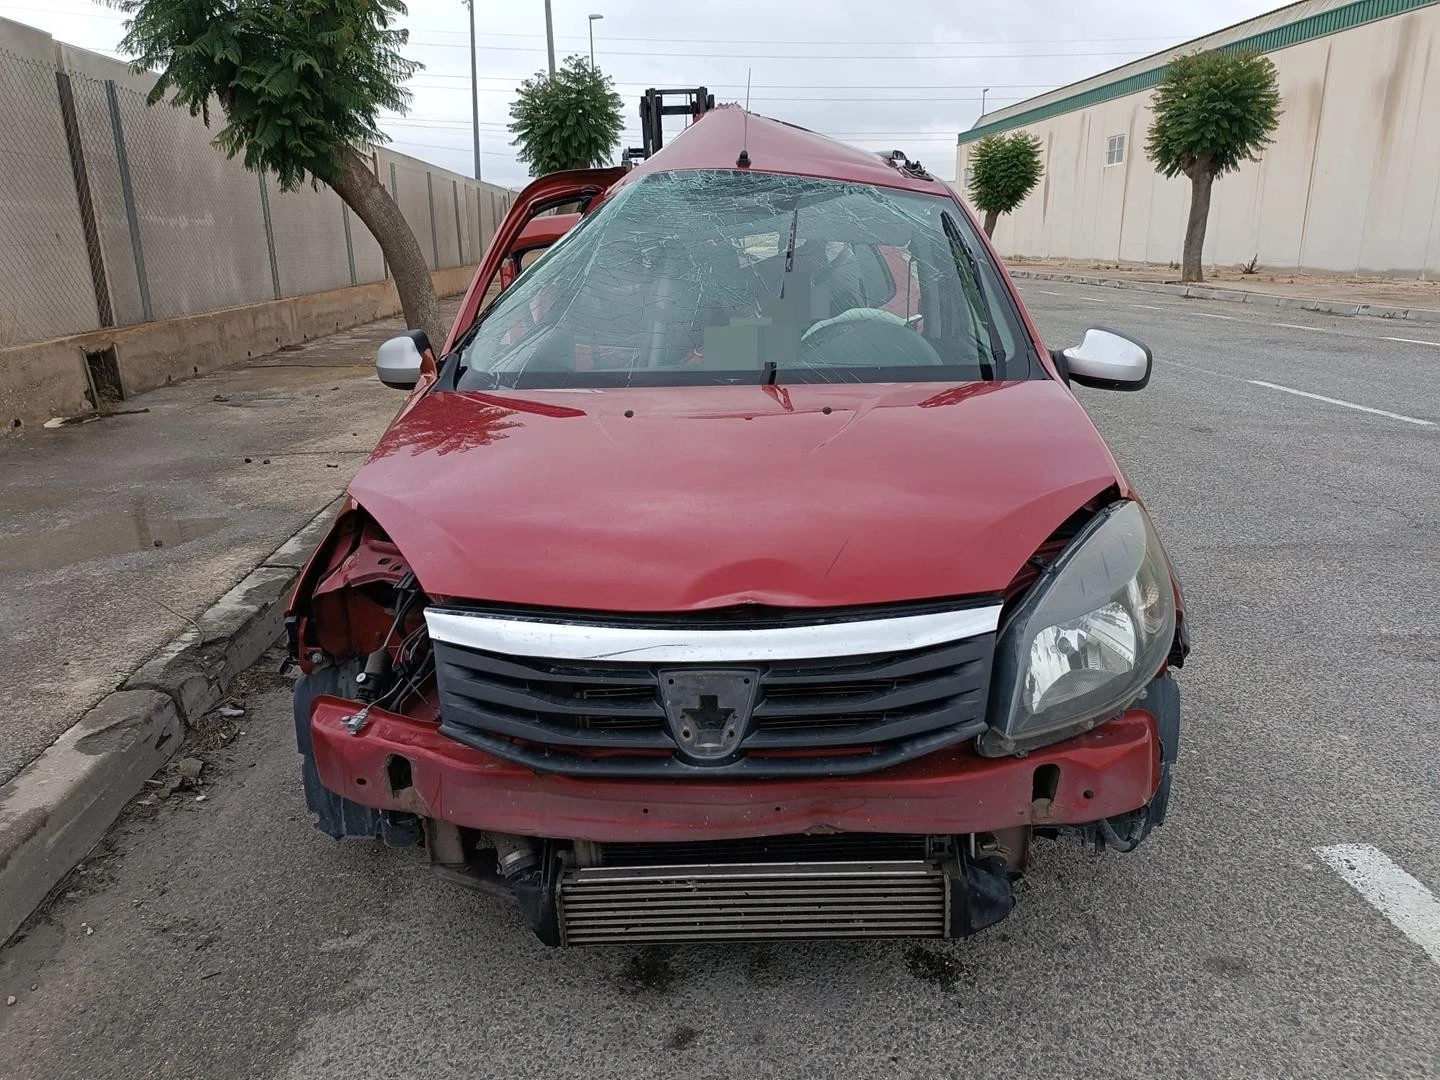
(676, 499)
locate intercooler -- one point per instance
(608, 905)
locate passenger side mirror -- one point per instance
(1108, 360)
(398, 361)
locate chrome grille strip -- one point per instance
(584, 641)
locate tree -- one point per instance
(1004, 169)
(1214, 111)
(301, 84)
(569, 120)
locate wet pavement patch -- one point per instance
(648, 972)
(937, 968)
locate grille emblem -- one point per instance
(708, 711)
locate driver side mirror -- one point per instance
(399, 360)
(1107, 360)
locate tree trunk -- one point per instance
(367, 196)
(991, 217)
(1201, 180)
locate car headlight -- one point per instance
(1087, 639)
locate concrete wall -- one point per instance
(49, 378)
(193, 237)
(1351, 184)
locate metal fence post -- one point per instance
(459, 237)
(101, 284)
(127, 192)
(269, 235)
(434, 235)
(349, 243)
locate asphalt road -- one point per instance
(223, 938)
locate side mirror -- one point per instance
(398, 361)
(1108, 360)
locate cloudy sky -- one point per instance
(905, 75)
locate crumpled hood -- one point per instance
(674, 499)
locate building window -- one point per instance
(1115, 150)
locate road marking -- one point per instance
(1207, 315)
(1409, 905)
(1152, 307)
(1094, 300)
(1337, 401)
(1415, 341)
(1050, 292)
(1297, 326)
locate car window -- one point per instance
(730, 276)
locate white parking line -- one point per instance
(1415, 341)
(1207, 315)
(1408, 905)
(1094, 300)
(1152, 307)
(1337, 401)
(1297, 326)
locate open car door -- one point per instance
(578, 186)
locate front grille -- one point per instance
(709, 902)
(826, 716)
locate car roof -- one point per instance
(714, 141)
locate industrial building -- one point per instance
(1351, 184)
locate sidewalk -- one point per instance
(117, 535)
(1390, 298)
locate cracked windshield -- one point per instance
(703, 277)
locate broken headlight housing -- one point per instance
(1087, 638)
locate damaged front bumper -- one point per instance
(574, 841)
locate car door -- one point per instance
(578, 186)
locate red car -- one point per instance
(746, 569)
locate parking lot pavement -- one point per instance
(1276, 926)
(114, 533)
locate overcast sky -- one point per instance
(904, 75)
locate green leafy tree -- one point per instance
(300, 85)
(1004, 170)
(569, 120)
(1214, 111)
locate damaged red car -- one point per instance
(745, 569)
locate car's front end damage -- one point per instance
(738, 773)
(747, 569)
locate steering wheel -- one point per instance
(866, 337)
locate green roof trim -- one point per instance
(1280, 37)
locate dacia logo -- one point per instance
(708, 711)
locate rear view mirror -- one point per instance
(1108, 360)
(397, 361)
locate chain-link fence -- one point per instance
(46, 288)
(116, 212)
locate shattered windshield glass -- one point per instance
(730, 276)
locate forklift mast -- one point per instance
(695, 102)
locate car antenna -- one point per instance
(743, 161)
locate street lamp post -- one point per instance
(550, 36)
(593, 20)
(474, 89)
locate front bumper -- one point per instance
(399, 764)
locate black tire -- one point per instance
(334, 815)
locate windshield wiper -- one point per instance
(975, 297)
(790, 248)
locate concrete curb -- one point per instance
(1239, 296)
(61, 804)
